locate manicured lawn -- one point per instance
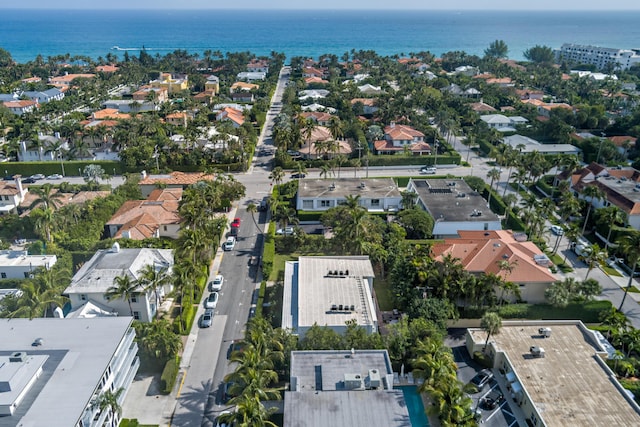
(383, 294)
(588, 312)
(610, 271)
(278, 265)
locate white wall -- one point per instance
(450, 228)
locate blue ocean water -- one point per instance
(27, 33)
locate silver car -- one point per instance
(207, 319)
(212, 300)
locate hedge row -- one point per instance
(261, 293)
(75, 167)
(269, 251)
(414, 160)
(169, 375)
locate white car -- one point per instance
(216, 283)
(212, 300)
(37, 176)
(557, 230)
(285, 231)
(229, 244)
(55, 176)
(428, 170)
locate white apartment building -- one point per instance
(621, 59)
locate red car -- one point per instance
(236, 223)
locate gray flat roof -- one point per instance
(79, 352)
(568, 386)
(531, 145)
(314, 291)
(452, 200)
(97, 274)
(342, 187)
(323, 370)
(346, 409)
(625, 187)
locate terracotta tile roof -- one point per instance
(343, 148)
(500, 81)
(232, 114)
(484, 76)
(31, 80)
(107, 68)
(315, 79)
(177, 178)
(244, 86)
(312, 71)
(141, 218)
(384, 145)
(318, 116)
(21, 103)
(168, 194)
(177, 115)
(369, 102)
(481, 251)
(511, 63)
(320, 133)
(402, 132)
(109, 113)
(620, 140)
(105, 123)
(408, 60)
(481, 107)
(8, 189)
(69, 78)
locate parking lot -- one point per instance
(499, 415)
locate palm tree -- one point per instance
(277, 175)
(43, 221)
(109, 401)
(590, 193)
(253, 209)
(46, 197)
(152, 279)
(610, 216)
(123, 287)
(491, 322)
(630, 247)
(325, 170)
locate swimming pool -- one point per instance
(415, 407)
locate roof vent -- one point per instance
(334, 307)
(115, 248)
(37, 342)
(545, 332)
(332, 187)
(461, 195)
(18, 356)
(363, 185)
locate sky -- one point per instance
(578, 5)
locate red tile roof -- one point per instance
(177, 178)
(402, 132)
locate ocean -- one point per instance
(27, 33)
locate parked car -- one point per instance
(28, 181)
(235, 223)
(298, 175)
(229, 244)
(207, 319)
(264, 203)
(55, 176)
(212, 300)
(482, 378)
(216, 283)
(8, 178)
(285, 231)
(236, 346)
(557, 230)
(37, 176)
(428, 170)
(493, 399)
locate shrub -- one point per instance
(169, 375)
(269, 251)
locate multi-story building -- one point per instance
(20, 265)
(601, 57)
(54, 371)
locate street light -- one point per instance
(600, 148)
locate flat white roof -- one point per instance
(79, 352)
(311, 289)
(21, 259)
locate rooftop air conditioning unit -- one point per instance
(374, 378)
(545, 332)
(536, 351)
(352, 381)
(18, 356)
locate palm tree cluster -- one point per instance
(435, 365)
(203, 223)
(257, 360)
(40, 295)
(626, 339)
